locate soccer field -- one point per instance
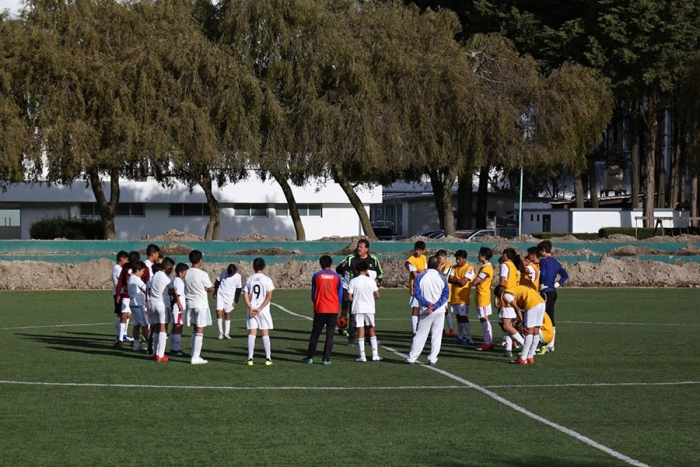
(621, 389)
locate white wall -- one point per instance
(33, 212)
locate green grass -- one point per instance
(290, 413)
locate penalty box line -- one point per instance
(508, 403)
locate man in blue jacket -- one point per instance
(552, 275)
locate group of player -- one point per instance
(145, 292)
(525, 296)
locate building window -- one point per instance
(89, 210)
(189, 210)
(250, 210)
(130, 209)
(315, 210)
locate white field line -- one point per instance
(587, 385)
(512, 405)
(11, 328)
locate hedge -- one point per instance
(75, 228)
(580, 236)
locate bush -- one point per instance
(75, 228)
(642, 233)
(580, 235)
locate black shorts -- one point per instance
(117, 306)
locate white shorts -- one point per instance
(483, 311)
(413, 302)
(224, 303)
(262, 320)
(125, 305)
(507, 312)
(139, 315)
(176, 316)
(158, 314)
(364, 319)
(198, 317)
(460, 310)
(534, 317)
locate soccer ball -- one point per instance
(342, 322)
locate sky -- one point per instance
(12, 5)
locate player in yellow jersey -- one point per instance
(531, 276)
(529, 308)
(460, 280)
(446, 270)
(482, 284)
(415, 264)
(511, 268)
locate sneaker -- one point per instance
(249, 362)
(519, 361)
(432, 362)
(327, 362)
(226, 336)
(410, 362)
(485, 347)
(452, 332)
(377, 358)
(507, 353)
(164, 358)
(458, 341)
(309, 361)
(221, 336)
(268, 362)
(550, 349)
(530, 361)
(118, 345)
(176, 353)
(128, 338)
(198, 361)
(542, 351)
(351, 342)
(468, 342)
(361, 359)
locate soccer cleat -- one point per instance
(452, 332)
(309, 361)
(377, 358)
(327, 362)
(550, 349)
(519, 361)
(530, 361)
(458, 341)
(118, 345)
(226, 336)
(164, 358)
(127, 338)
(221, 336)
(485, 347)
(249, 362)
(268, 362)
(198, 361)
(468, 342)
(410, 362)
(351, 341)
(432, 362)
(542, 351)
(176, 353)
(361, 359)
(507, 353)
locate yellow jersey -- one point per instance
(526, 298)
(546, 330)
(513, 277)
(531, 278)
(483, 290)
(421, 264)
(462, 294)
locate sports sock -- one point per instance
(175, 342)
(518, 338)
(197, 347)
(251, 345)
(488, 332)
(554, 335)
(533, 347)
(527, 343)
(460, 330)
(361, 346)
(126, 325)
(122, 331)
(227, 327)
(219, 323)
(192, 341)
(509, 342)
(375, 346)
(266, 346)
(468, 330)
(162, 340)
(156, 340)
(448, 320)
(118, 328)
(414, 323)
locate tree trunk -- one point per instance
(108, 209)
(579, 192)
(676, 171)
(482, 197)
(356, 203)
(213, 230)
(438, 195)
(635, 182)
(464, 201)
(651, 129)
(660, 166)
(447, 214)
(292, 205)
(694, 199)
(593, 183)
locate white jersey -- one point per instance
(196, 283)
(137, 290)
(149, 265)
(159, 285)
(362, 289)
(257, 286)
(228, 285)
(116, 271)
(179, 287)
(432, 287)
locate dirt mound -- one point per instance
(627, 272)
(276, 251)
(687, 250)
(172, 235)
(631, 250)
(258, 237)
(617, 238)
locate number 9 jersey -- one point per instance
(257, 287)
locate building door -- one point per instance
(546, 222)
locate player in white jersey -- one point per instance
(178, 304)
(362, 292)
(137, 301)
(159, 291)
(122, 259)
(227, 292)
(197, 284)
(258, 295)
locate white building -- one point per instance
(147, 208)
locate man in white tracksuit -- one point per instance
(431, 291)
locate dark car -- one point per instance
(384, 233)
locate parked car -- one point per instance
(427, 233)
(478, 234)
(383, 233)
